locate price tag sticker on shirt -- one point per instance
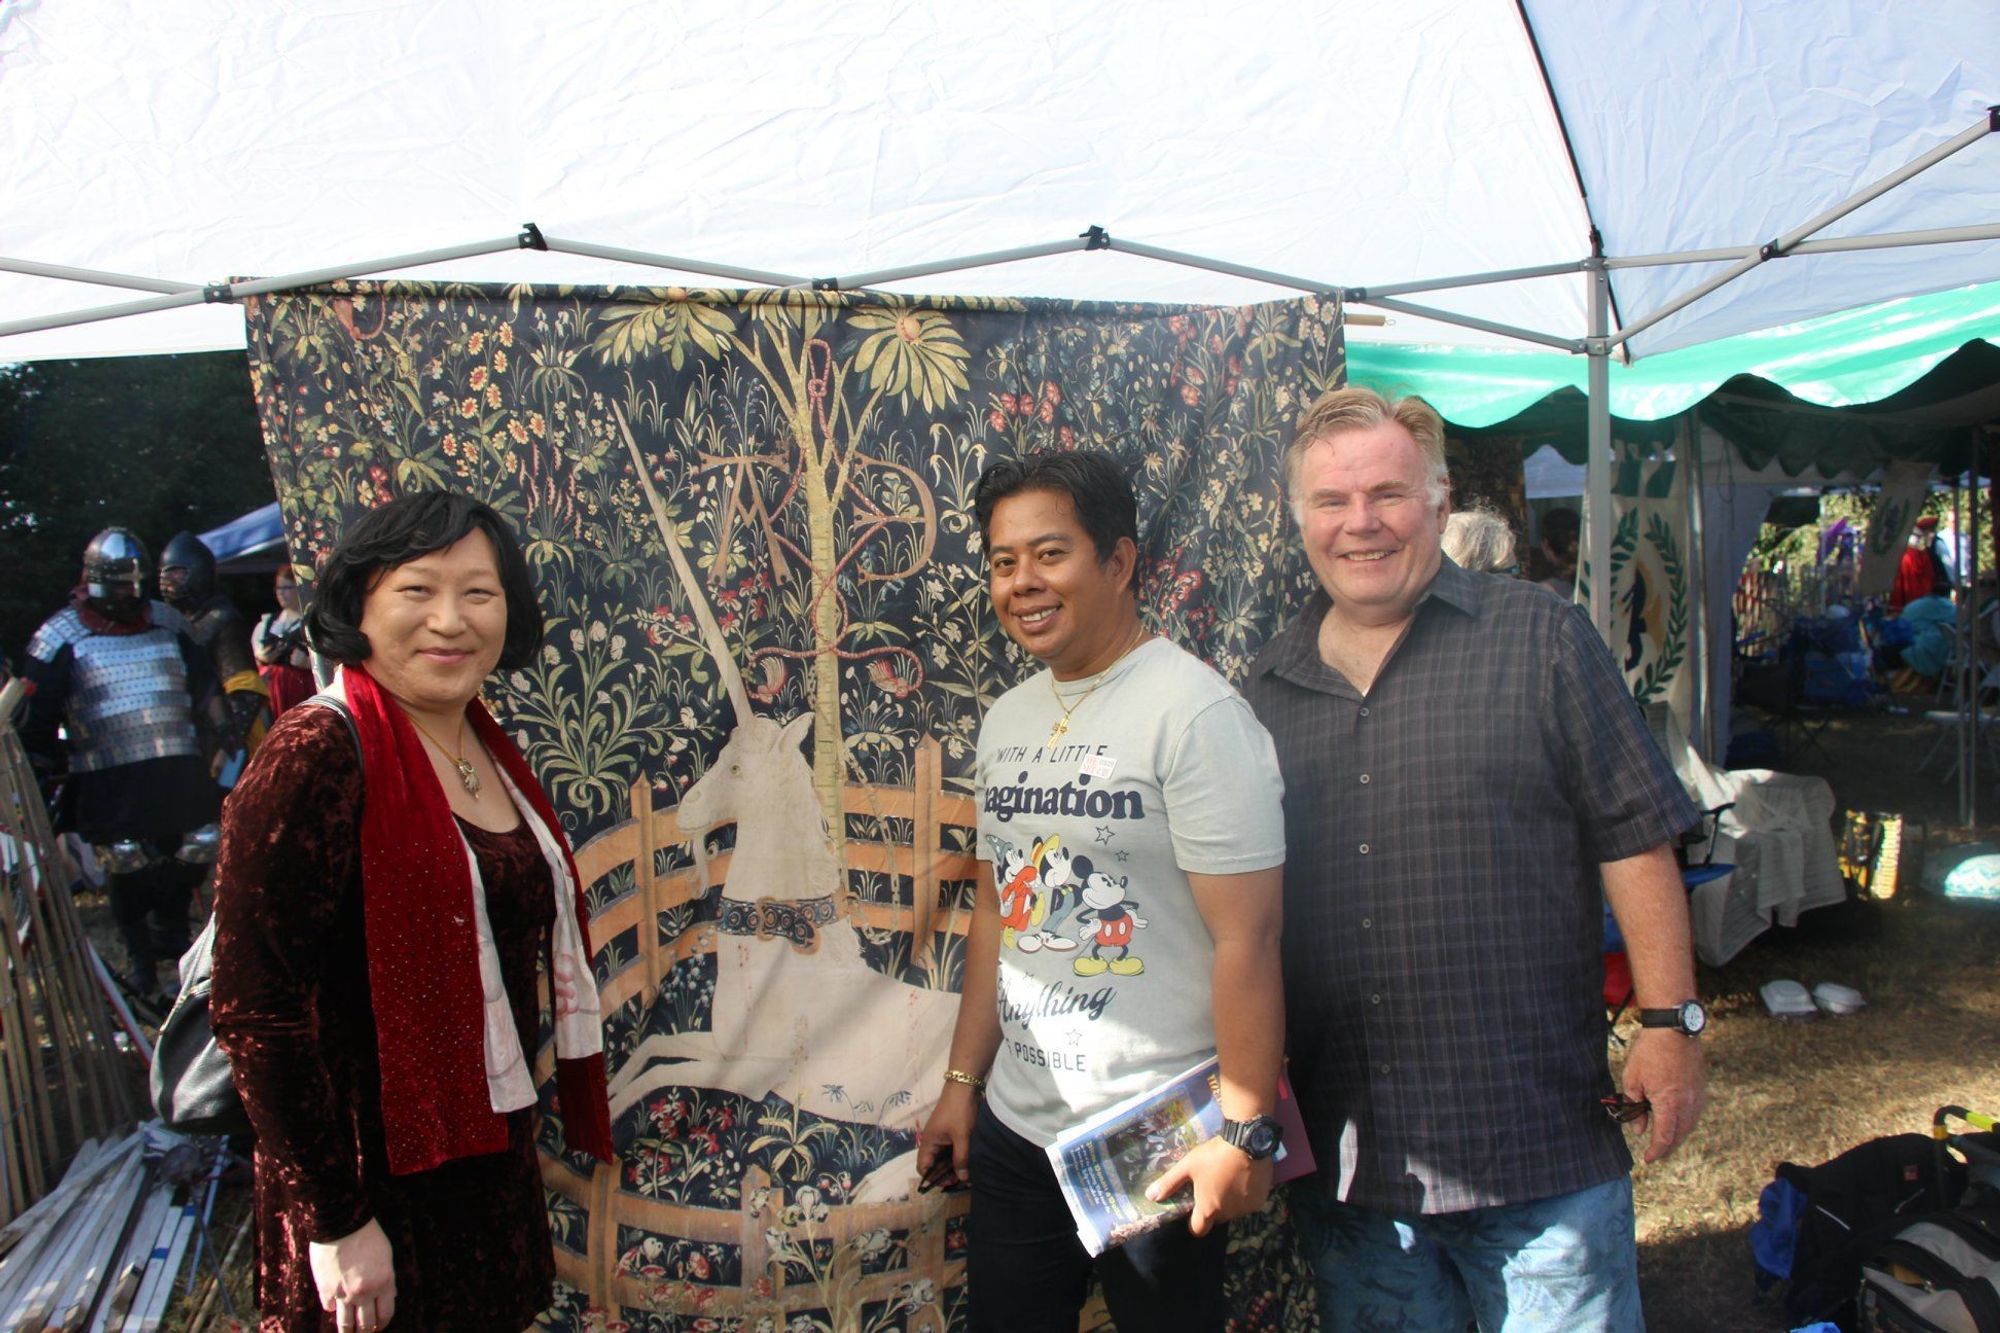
(1099, 766)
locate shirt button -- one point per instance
(1364, 712)
(1368, 923)
(1382, 1068)
(1364, 849)
(1364, 779)
(1375, 999)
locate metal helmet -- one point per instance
(114, 558)
(187, 570)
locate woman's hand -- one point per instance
(356, 1277)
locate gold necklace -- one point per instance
(467, 777)
(1061, 728)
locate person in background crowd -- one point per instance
(1562, 534)
(280, 644)
(1918, 641)
(389, 881)
(1467, 784)
(187, 583)
(1479, 540)
(124, 678)
(1158, 907)
(1916, 574)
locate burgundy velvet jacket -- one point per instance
(291, 1008)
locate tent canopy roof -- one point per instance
(1352, 143)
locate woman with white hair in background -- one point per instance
(1481, 541)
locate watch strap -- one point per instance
(1245, 1135)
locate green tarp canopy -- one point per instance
(1829, 396)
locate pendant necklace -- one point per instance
(1061, 728)
(467, 776)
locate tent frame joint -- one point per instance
(1095, 238)
(218, 293)
(826, 284)
(531, 237)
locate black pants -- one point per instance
(151, 909)
(1028, 1273)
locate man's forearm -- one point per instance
(975, 1037)
(1650, 905)
(1249, 1005)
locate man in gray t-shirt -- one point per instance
(1128, 916)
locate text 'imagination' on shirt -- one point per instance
(1074, 797)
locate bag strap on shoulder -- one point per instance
(335, 704)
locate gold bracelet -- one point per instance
(973, 1081)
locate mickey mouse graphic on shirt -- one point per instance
(1063, 874)
(1107, 921)
(1018, 875)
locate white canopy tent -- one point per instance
(1564, 173)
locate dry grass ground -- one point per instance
(1803, 1091)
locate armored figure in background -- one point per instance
(187, 582)
(125, 681)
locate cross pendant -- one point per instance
(1060, 730)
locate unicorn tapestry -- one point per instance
(748, 516)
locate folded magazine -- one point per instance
(1105, 1164)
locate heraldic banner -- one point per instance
(749, 516)
(1652, 599)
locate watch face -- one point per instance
(1263, 1140)
(1693, 1017)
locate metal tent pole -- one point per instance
(1974, 673)
(35, 269)
(96, 313)
(589, 250)
(1466, 280)
(1689, 438)
(1961, 627)
(1474, 322)
(1888, 240)
(1094, 239)
(233, 291)
(1788, 243)
(1597, 474)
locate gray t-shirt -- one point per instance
(1091, 835)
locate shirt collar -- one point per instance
(1298, 643)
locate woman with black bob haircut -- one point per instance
(391, 874)
(398, 533)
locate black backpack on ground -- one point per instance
(1940, 1273)
(1853, 1204)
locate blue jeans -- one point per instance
(1564, 1265)
(1028, 1273)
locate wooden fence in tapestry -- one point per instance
(936, 860)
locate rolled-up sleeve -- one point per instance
(1624, 791)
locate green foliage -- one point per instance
(158, 444)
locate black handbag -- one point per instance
(193, 1090)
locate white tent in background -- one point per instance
(1344, 144)
(1564, 172)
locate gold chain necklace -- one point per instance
(467, 777)
(1061, 728)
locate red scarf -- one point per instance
(423, 949)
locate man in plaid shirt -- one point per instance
(1468, 782)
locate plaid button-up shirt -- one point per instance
(1443, 907)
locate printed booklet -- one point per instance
(1105, 1164)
